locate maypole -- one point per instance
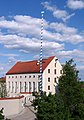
(41, 52)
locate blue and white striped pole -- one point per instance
(41, 52)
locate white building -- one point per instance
(23, 77)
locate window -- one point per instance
(25, 76)
(38, 86)
(55, 64)
(30, 76)
(20, 86)
(20, 76)
(12, 87)
(15, 87)
(25, 85)
(12, 76)
(60, 71)
(33, 76)
(9, 85)
(48, 87)
(33, 86)
(56, 60)
(9, 76)
(48, 79)
(38, 76)
(55, 71)
(55, 80)
(29, 86)
(15, 76)
(48, 70)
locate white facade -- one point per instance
(18, 83)
(11, 105)
(55, 72)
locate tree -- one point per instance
(71, 91)
(68, 103)
(45, 106)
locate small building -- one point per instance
(3, 87)
(3, 80)
(12, 105)
(24, 77)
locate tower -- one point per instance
(41, 52)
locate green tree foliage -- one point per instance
(45, 106)
(68, 103)
(71, 91)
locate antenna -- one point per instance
(41, 52)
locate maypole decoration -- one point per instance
(41, 52)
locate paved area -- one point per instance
(26, 114)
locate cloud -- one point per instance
(81, 71)
(27, 27)
(8, 55)
(81, 67)
(75, 4)
(67, 34)
(60, 27)
(12, 60)
(1, 68)
(2, 18)
(78, 55)
(27, 44)
(21, 33)
(59, 14)
(36, 57)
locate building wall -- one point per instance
(54, 65)
(12, 105)
(48, 85)
(16, 83)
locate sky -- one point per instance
(20, 28)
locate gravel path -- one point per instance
(26, 114)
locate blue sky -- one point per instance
(20, 27)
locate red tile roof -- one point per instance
(11, 98)
(25, 92)
(29, 67)
(3, 79)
